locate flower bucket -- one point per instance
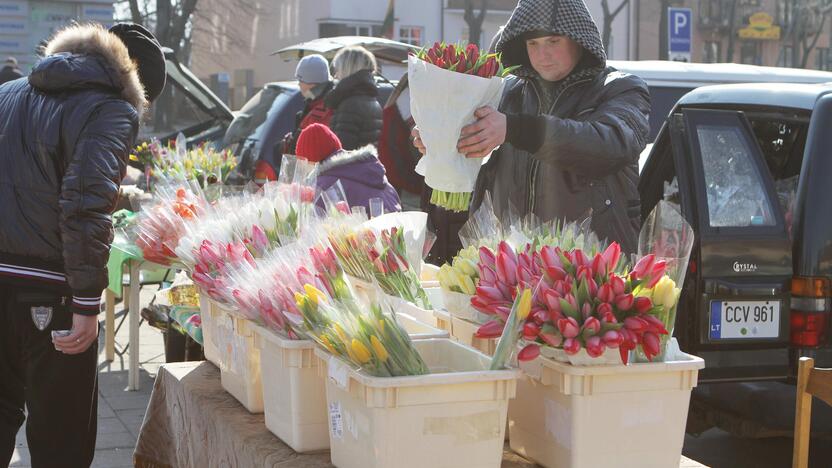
(614, 415)
(240, 359)
(453, 417)
(465, 332)
(209, 330)
(459, 305)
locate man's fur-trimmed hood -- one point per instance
(86, 57)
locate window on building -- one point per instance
(786, 57)
(712, 52)
(822, 58)
(347, 29)
(411, 35)
(750, 53)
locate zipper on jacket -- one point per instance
(535, 163)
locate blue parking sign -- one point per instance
(679, 31)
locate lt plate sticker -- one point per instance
(744, 319)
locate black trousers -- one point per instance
(59, 391)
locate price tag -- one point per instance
(336, 421)
(338, 373)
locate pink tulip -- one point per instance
(479, 303)
(598, 265)
(605, 311)
(591, 327)
(492, 329)
(593, 287)
(624, 302)
(489, 295)
(656, 273)
(618, 285)
(524, 275)
(586, 310)
(342, 207)
(642, 304)
(506, 269)
(549, 257)
(530, 331)
(540, 316)
(502, 312)
(524, 260)
(651, 345)
(487, 258)
(506, 290)
(611, 256)
(569, 327)
(555, 273)
(594, 346)
(584, 273)
(259, 238)
(580, 258)
(487, 275)
(571, 346)
(528, 353)
(643, 267)
(612, 339)
(605, 293)
(552, 299)
(635, 324)
(654, 325)
(551, 337)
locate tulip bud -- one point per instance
(487, 257)
(618, 285)
(540, 316)
(530, 331)
(598, 266)
(605, 293)
(580, 258)
(624, 302)
(571, 346)
(611, 256)
(489, 294)
(612, 339)
(586, 310)
(568, 327)
(487, 275)
(642, 267)
(492, 329)
(528, 353)
(595, 347)
(605, 311)
(591, 327)
(635, 324)
(654, 325)
(642, 304)
(651, 345)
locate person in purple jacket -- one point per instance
(361, 173)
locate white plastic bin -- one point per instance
(209, 332)
(465, 332)
(429, 275)
(294, 395)
(435, 297)
(453, 417)
(240, 372)
(419, 330)
(443, 321)
(617, 415)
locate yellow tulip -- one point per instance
(314, 294)
(300, 300)
(342, 335)
(362, 354)
(525, 305)
(381, 352)
(664, 293)
(133, 157)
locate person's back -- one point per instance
(357, 117)
(360, 172)
(10, 71)
(65, 136)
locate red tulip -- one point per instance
(502, 312)
(611, 256)
(530, 352)
(643, 266)
(598, 265)
(586, 310)
(635, 324)
(505, 289)
(642, 304)
(594, 346)
(553, 339)
(591, 327)
(651, 345)
(490, 294)
(487, 275)
(612, 339)
(569, 327)
(540, 316)
(550, 258)
(478, 303)
(506, 268)
(605, 293)
(656, 272)
(524, 260)
(571, 346)
(593, 287)
(624, 302)
(618, 285)
(524, 275)
(654, 325)
(530, 331)
(487, 257)
(581, 258)
(605, 311)
(492, 329)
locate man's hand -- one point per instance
(483, 136)
(417, 140)
(84, 332)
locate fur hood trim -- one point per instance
(87, 39)
(342, 158)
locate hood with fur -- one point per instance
(87, 57)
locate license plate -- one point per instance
(744, 319)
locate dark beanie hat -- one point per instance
(145, 50)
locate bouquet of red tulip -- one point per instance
(448, 82)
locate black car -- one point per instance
(748, 165)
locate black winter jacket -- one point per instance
(580, 156)
(65, 135)
(9, 73)
(357, 113)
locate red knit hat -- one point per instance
(317, 142)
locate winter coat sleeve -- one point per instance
(88, 194)
(604, 140)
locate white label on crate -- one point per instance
(336, 420)
(338, 373)
(350, 422)
(558, 422)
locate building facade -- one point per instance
(240, 50)
(785, 33)
(24, 24)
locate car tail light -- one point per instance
(264, 172)
(810, 311)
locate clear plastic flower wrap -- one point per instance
(162, 221)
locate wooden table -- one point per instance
(192, 422)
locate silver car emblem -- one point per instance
(41, 316)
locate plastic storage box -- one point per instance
(452, 417)
(465, 332)
(240, 372)
(622, 416)
(209, 333)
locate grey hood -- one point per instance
(568, 18)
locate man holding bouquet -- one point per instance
(569, 129)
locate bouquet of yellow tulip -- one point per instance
(364, 336)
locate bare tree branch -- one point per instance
(609, 17)
(474, 21)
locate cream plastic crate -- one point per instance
(419, 330)
(209, 332)
(294, 395)
(429, 276)
(452, 417)
(435, 297)
(443, 321)
(465, 332)
(622, 416)
(240, 373)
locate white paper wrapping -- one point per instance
(442, 102)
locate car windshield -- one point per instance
(181, 106)
(252, 114)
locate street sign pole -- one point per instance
(680, 34)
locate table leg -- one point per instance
(135, 315)
(110, 325)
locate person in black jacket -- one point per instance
(357, 113)
(10, 71)
(66, 135)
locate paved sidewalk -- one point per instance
(120, 413)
